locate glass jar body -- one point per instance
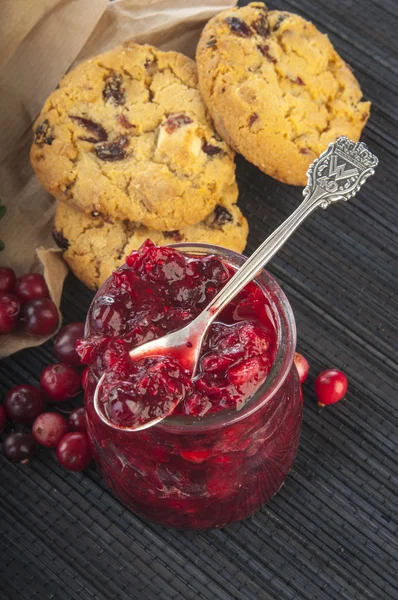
(205, 473)
(201, 480)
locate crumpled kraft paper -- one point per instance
(39, 42)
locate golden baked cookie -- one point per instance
(277, 90)
(128, 135)
(94, 248)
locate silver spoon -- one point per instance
(336, 175)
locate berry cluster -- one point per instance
(25, 304)
(25, 406)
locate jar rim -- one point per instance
(286, 344)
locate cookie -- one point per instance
(277, 90)
(94, 248)
(127, 135)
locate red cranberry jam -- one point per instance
(211, 469)
(159, 290)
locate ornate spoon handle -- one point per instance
(336, 175)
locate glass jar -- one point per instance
(195, 473)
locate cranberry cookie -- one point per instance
(277, 90)
(127, 135)
(94, 248)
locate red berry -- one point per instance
(196, 456)
(23, 403)
(60, 382)
(40, 317)
(330, 386)
(74, 451)
(31, 286)
(10, 307)
(65, 344)
(7, 279)
(85, 375)
(77, 420)
(302, 366)
(3, 417)
(19, 447)
(49, 428)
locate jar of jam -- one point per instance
(233, 431)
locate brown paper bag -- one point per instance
(39, 42)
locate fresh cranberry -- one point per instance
(74, 451)
(60, 382)
(19, 447)
(85, 375)
(10, 307)
(65, 344)
(7, 279)
(23, 403)
(40, 317)
(31, 286)
(77, 420)
(3, 417)
(330, 386)
(49, 428)
(302, 366)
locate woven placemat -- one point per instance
(332, 531)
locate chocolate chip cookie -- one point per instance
(94, 248)
(127, 135)
(277, 90)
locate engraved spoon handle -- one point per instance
(336, 175)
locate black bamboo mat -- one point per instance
(332, 531)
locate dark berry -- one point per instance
(261, 26)
(221, 215)
(77, 420)
(302, 366)
(23, 403)
(175, 121)
(174, 235)
(40, 317)
(43, 134)
(60, 382)
(330, 386)
(112, 151)
(60, 240)
(74, 451)
(253, 117)
(7, 279)
(10, 307)
(31, 286)
(124, 122)
(239, 27)
(19, 447)
(49, 428)
(65, 344)
(98, 133)
(3, 417)
(210, 149)
(265, 51)
(113, 91)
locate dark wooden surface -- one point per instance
(332, 531)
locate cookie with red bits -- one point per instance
(276, 88)
(127, 135)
